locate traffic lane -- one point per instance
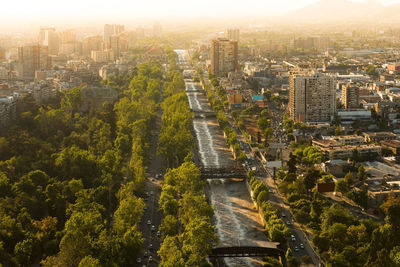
(151, 213)
(296, 231)
(153, 242)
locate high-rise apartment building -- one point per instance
(32, 58)
(115, 45)
(350, 96)
(110, 30)
(224, 56)
(233, 34)
(312, 97)
(68, 43)
(91, 43)
(48, 37)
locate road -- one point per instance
(151, 197)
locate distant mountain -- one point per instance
(338, 11)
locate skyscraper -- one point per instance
(233, 34)
(224, 56)
(48, 37)
(115, 45)
(312, 97)
(110, 30)
(91, 43)
(350, 96)
(32, 58)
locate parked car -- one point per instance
(148, 222)
(138, 260)
(301, 245)
(153, 228)
(158, 233)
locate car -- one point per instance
(151, 246)
(296, 248)
(283, 214)
(145, 208)
(148, 222)
(151, 192)
(145, 254)
(288, 223)
(158, 233)
(150, 258)
(302, 245)
(157, 176)
(293, 238)
(153, 228)
(138, 260)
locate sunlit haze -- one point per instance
(28, 13)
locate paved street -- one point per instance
(152, 196)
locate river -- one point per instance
(235, 218)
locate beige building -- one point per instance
(32, 58)
(91, 43)
(233, 34)
(332, 149)
(48, 37)
(224, 56)
(312, 97)
(379, 136)
(110, 30)
(115, 45)
(103, 56)
(350, 96)
(351, 140)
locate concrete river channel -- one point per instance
(235, 219)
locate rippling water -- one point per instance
(234, 218)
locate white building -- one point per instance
(312, 97)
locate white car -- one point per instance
(148, 222)
(138, 260)
(153, 228)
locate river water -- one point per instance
(236, 221)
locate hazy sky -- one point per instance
(26, 12)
